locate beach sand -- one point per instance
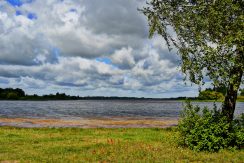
(111, 122)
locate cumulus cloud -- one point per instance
(56, 45)
(124, 58)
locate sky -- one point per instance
(86, 48)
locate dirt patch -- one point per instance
(115, 122)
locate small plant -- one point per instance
(208, 130)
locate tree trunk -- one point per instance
(230, 103)
(231, 95)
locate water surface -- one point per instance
(97, 109)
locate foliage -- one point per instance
(239, 130)
(242, 92)
(12, 94)
(209, 130)
(210, 95)
(208, 35)
(62, 96)
(221, 89)
(216, 93)
(101, 145)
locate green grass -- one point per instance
(101, 145)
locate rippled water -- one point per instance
(96, 109)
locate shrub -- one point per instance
(210, 95)
(239, 130)
(208, 130)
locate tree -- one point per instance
(20, 92)
(209, 37)
(210, 95)
(221, 88)
(10, 93)
(242, 92)
(12, 96)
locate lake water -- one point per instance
(97, 109)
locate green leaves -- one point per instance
(209, 36)
(209, 130)
(210, 95)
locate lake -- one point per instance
(97, 109)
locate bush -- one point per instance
(210, 95)
(239, 130)
(208, 130)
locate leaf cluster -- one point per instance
(208, 130)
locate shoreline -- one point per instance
(113, 122)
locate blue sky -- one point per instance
(87, 48)
(15, 2)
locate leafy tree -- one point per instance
(20, 92)
(221, 88)
(12, 96)
(242, 92)
(10, 93)
(209, 37)
(210, 95)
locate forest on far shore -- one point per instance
(19, 94)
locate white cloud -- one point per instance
(58, 49)
(123, 58)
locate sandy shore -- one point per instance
(115, 122)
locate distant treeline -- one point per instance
(19, 94)
(11, 94)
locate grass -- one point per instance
(101, 145)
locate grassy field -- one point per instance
(101, 145)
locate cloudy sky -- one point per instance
(85, 47)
